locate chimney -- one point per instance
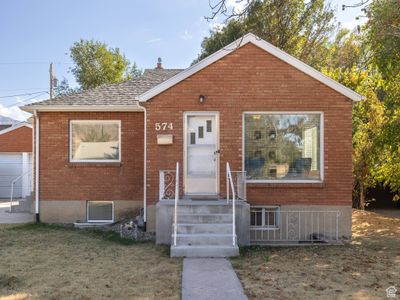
(159, 64)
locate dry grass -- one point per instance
(362, 269)
(46, 262)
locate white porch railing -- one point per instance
(15, 180)
(239, 184)
(296, 227)
(229, 185)
(176, 200)
(167, 182)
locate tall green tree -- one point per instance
(368, 121)
(97, 64)
(301, 28)
(382, 39)
(383, 35)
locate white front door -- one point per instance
(201, 153)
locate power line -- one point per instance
(11, 90)
(35, 63)
(27, 94)
(22, 102)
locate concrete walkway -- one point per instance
(13, 218)
(210, 278)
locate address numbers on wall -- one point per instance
(163, 126)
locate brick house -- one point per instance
(249, 123)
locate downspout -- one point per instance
(36, 149)
(144, 167)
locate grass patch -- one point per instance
(361, 269)
(106, 235)
(42, 261)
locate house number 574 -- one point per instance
(163, 126)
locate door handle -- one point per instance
(217, 151)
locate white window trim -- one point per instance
(99, 221)
(71, 122)
(321, 147)
(267, 227)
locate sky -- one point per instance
(36, 32)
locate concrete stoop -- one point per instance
(204, 229)
(25, 205)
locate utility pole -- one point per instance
(51, 80)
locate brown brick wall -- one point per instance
(18, 140)
(247, 80)
(250, 79)
(61, 180)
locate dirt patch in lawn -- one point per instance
(45, 262)
(361, 269)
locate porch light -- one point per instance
(202, 98)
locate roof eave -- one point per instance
(66, 108)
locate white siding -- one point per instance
(13, 165)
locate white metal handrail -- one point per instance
(239, 184)
(229, 183)
(176, 200)
(12, 186)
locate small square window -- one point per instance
(201, 132)
(100, 211)
(192, 138)
(209, 125)
(264, 217)
(95, 141)
(256, 217)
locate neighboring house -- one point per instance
(6, 122)
(16, 160)
(283, 127)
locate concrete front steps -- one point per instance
(204, 229)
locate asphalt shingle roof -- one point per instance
(123, 93)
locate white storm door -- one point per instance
(201, 143)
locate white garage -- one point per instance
(15, 166)
(16, 161)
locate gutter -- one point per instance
(144, 167)
(36, 151)
(58, 108)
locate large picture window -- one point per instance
(282, 147)
(95, 141)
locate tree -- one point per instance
(301, 28)
(383, 35)
(382, 38)
(63, 89)
(346, 51)
(97, 64)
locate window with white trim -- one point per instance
(264, 217)
(282, 146)
(95, 141)
(100, 211)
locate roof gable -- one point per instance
(12, 128)
(250, 38)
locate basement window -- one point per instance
(100, 211)
(95, 141)
(264, 217)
